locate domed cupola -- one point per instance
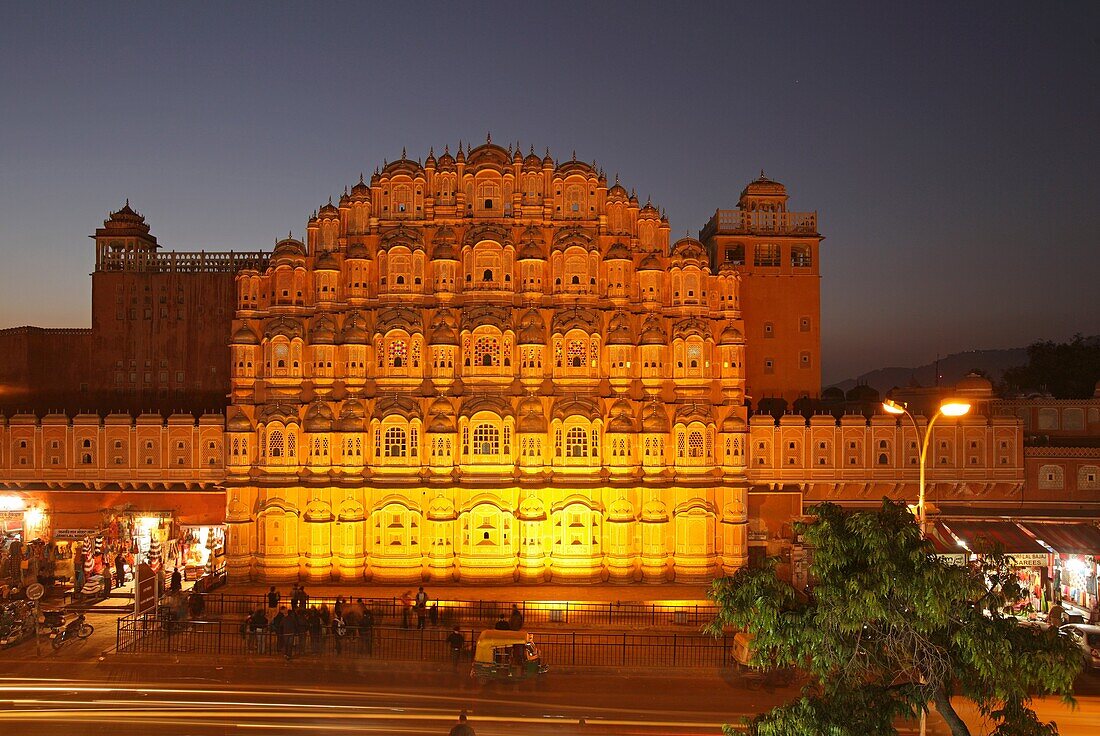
(532, 330)
(245, 336)
(326, 262)
(532, 418)
(358, 252)
(318, 417)
(731, 336)
(531, 250)
(446, 161)
(651, 263)
(444, 245)
(353, 417)
(733, 423)
(443, 330)
(622, 420)
(654, 419)
(328, 211)
(239, 422)
(532, 162)
(653, 333)
(442, 414)
(617, 252)
(430, 160)
(288, 251)
(323, 331)
(360, 192)
(278, 412)
(618, 330)
(354, 331)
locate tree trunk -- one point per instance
(943, 706)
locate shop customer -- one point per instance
(1056, 617)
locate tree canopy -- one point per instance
(889, 627)
(1067, 370)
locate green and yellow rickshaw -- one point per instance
(506, 655)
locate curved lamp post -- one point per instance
(948, 408)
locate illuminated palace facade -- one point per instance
(485, 367)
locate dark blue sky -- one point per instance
(951, 149)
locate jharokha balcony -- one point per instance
(760, 222)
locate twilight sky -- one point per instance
(952, 150)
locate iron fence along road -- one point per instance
(148, 634)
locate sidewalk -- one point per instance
(665, 593)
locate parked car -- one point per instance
(1087, 637)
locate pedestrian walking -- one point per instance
(290, 634)
(120, 569)
(462, 728)
(257, 627)
(273, 600)
(421, 607)
(515, 621)
(339, 631)
(456, 641)
(366, 628)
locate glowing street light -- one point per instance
(949, 408)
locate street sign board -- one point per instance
(145, 589)
(35, 591)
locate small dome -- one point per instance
(323, 331)
(731, 336)
(529, 404)
(360, 191)
(733, 423)
(318, 417)
(440, 508)
(288, 250)
(618, 330)
(974, 383)
(245, 336)
(358, 252)
(278, 413)
(620, 510)
(238, 423)
(531, 509)
(444, 251)
(353, 417)
(531, 251)
(654, 511)
(442, 405)
(650, 263)
(354, 334)
(533, 422)
(442, 424)
(326, 262)
(532, 161)
(622, 422)
(444, 334)
(617, 252)
(653, 333)
(328, 211)
(654, 419)
(763, 186)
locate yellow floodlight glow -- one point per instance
(954, 408)
(892, 407)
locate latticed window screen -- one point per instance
(275, 443)
(396, 442)
(486, 440)
(576, 442)
(487, 352)
(578, 353)
(399, 353)
(291, 446)
(695, 444)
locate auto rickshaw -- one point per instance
(506, 655)
(755, 676)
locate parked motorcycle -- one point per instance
(61, 632)
(16, 622)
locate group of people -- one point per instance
(302, 623)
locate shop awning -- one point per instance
(1006, 534)
(1068, 539)
(942, 541)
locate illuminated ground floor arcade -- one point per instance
(490, 535)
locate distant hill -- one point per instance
(952, 368)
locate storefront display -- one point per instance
(1075, 581)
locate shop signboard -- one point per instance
(953, 559)
(11, 521)
(1030, 559)
(145, 589)
(74, 533)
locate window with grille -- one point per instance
(695, 444)
(576, 442)
(487, 352)
(486, 440)
(275, 443)
(578, 353)
(396, 442)
(767, 255)
(399, 353)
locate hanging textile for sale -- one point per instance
(154, 551)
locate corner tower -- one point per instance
(775, 251)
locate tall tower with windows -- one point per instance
(775, 253)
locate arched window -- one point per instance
(487, 351)
(576, 442)
(487, 275)
(695, 444)
(396, 444)
(486, 440)
(275, 443)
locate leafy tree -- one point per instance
(889, 628)
(1068, 370)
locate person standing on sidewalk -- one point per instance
(421, 607)
(273, 601)
(257, 625)
(290, 634)
(339, 631)
(515, 621)
(456, 641)
(406, 607)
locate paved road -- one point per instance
(78, 691)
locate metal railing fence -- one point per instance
(150, 634)
(622, 614)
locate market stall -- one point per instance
(1074, 569)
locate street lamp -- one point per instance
(948, 408)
